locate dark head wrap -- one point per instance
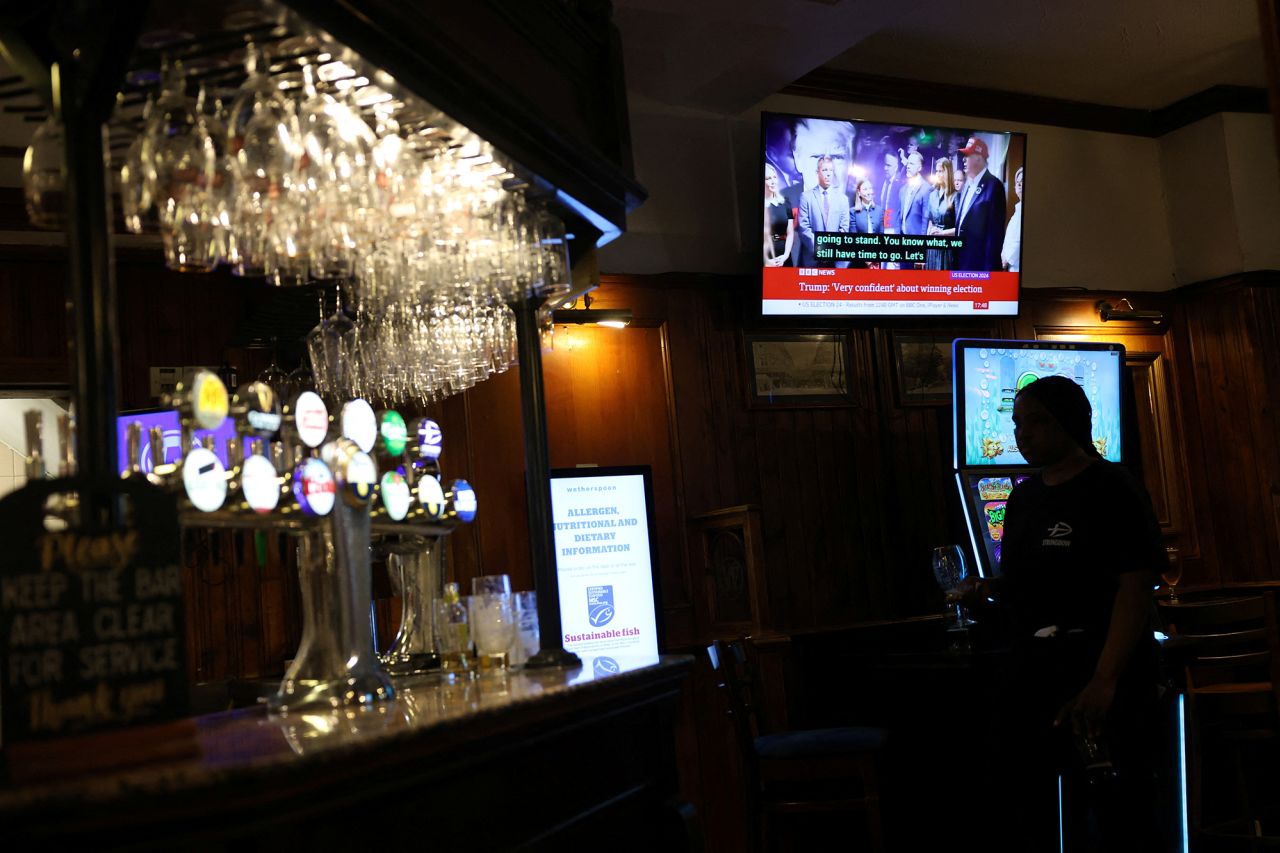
(1066, 401)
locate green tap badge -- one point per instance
(395, 434)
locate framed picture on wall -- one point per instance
(797, 370)
(922, 365)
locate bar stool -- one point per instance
(1229, 654)
(795, 772)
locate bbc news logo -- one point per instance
(981, 306)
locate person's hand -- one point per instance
(1088, 710)
(969, 591)
(773, 262)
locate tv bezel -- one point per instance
(758, 302)
(957, 391)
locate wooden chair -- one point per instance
(795, 772)
(1229, 654)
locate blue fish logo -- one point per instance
(605, 666)
(600, 610)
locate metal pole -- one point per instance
(537, 484)
(94, 339)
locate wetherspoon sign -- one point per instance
(91, 623)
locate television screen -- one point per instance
(987, 375)
(865, 218)
(604, 550)
(167, 420)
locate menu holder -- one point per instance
(91, 632)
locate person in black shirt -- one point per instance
(1082, 551)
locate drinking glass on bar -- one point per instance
(949, 569)
(493, 627)
(491, 585)
(1172, 574)
(527, 640)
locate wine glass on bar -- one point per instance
(949, 569)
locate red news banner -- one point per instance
(858, 277)
(796, 290)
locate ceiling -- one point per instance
(725, 56)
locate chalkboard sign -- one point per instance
(91, 622)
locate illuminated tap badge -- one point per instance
(464, 500)
(204, 479)
(259, 483)
(395, 495)
(314, 487)
(429, 439)
(259, 405)
(431, 496)
(311, 418)
(360, 424)
(359, 477)
(600, 605)
(395, 434)
(209, 403)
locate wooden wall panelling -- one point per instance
(917, 509)
(1234, 465)
(496, 434)
(33, 288)
(607, 404)
(282, 605)
(1266, 314)
(464, 557)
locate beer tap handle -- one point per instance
(35, 445)
(133, 450)
(157, 451)
(66, 447)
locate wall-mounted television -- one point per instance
(887, 219)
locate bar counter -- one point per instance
(529, 758)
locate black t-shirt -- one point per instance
(1066, 545)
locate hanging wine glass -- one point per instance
(325, 345)
(299, 379)
(219, 198)
(182, 160)
(262, 143)
(273, 374)
(328, 165)
(135, 182)
(44, 176)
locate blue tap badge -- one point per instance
(605, 666)
(429, 439)
(600, 605)
(464, 500)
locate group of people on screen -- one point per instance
(828, 191)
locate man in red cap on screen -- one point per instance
(980, 212)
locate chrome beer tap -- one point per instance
(336, 665)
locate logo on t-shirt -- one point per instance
(1055, 535)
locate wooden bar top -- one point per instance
(445, 742)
